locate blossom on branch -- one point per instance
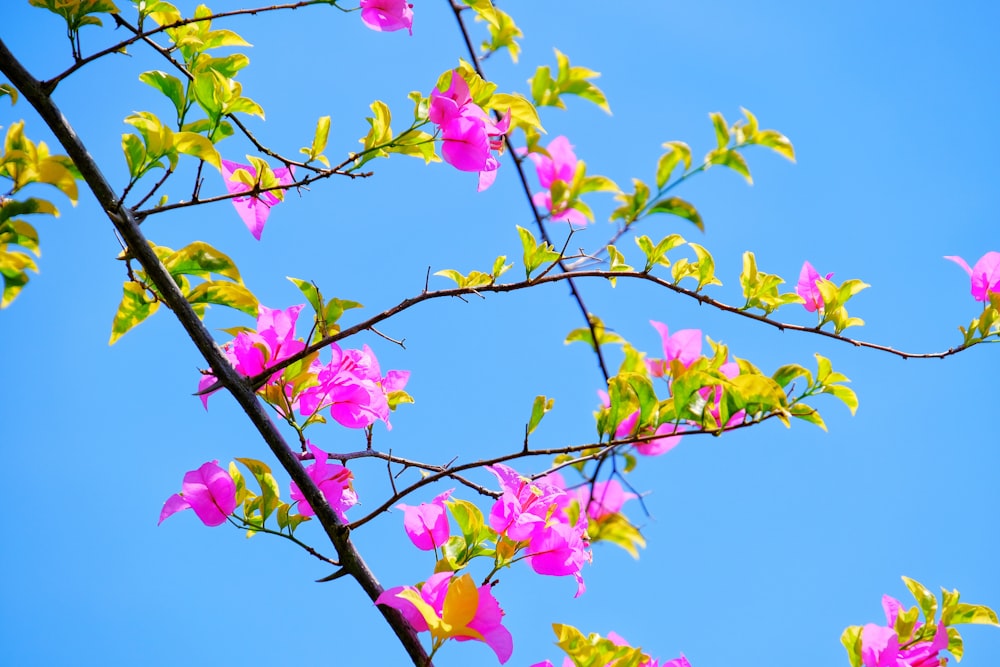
(254, 210)
(807, 288)
(539, 513)
(880, 645)
(468, 134)
(985, 274)
(253, 351)
(452, 607)
(333, 480)
(387, 15)
(209, 491)
(352, 387)
(558, 165)
(427, 524)
(683, 345)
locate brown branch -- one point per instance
(574, 291)
(258, 381)
(127, 226)
(48, 86)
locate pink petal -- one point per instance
(174, 504)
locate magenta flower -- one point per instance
(683, 345)
(807, 289)
(985, 274)
(352, 386)
(730, 369)
(660, 445)
(209, 491)
(253, 210)
(427, 524)
(880, 644)
(452, 607)
(604, 499)
(333, 480)
(559, 164)
(387, 15)
(537, 513)
(251, 352)
(468, 134)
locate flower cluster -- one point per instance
(351, 385)
(254, 210)
(541, 515)
(387, 15)
(451, 607)
(880, 645)
(985, 274)
(558, 165)
(468, 134)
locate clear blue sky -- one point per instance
(763, 544)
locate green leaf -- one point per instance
(616, 529)
(851, 639)
(721, 129)
(777, 142)
(955, 646)
(135, 154)
(677, 153)
(731, 159)
(539, 408)
(201, 259)
(133, 309)
(484, 8)
(962, 613)
(7, 89)
(270, 492)
(197, 146)
(311, 293)
(807, 413)
(224, 293)
(679, 207)
(469, 519)
(169, 85)
(604, 337)
(784, 375)
(925, 599)
(845, 394)
(321, 136)
(523, 113)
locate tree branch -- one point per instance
(127, 226)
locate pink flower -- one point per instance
(985, 274)
(452, 607)
(427, 524)
(253, 210)
(683, 345)
(352, 386)
(333, 480)
(626, 427)
(468, 133)
(730, 369)
(209, 491)
(559, 164)
(807, 289)
(880, 644)
(387, 15)
(660, 445)
(604, 499)
(251, 352)
(537, 513)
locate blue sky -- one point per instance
(763, 544)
